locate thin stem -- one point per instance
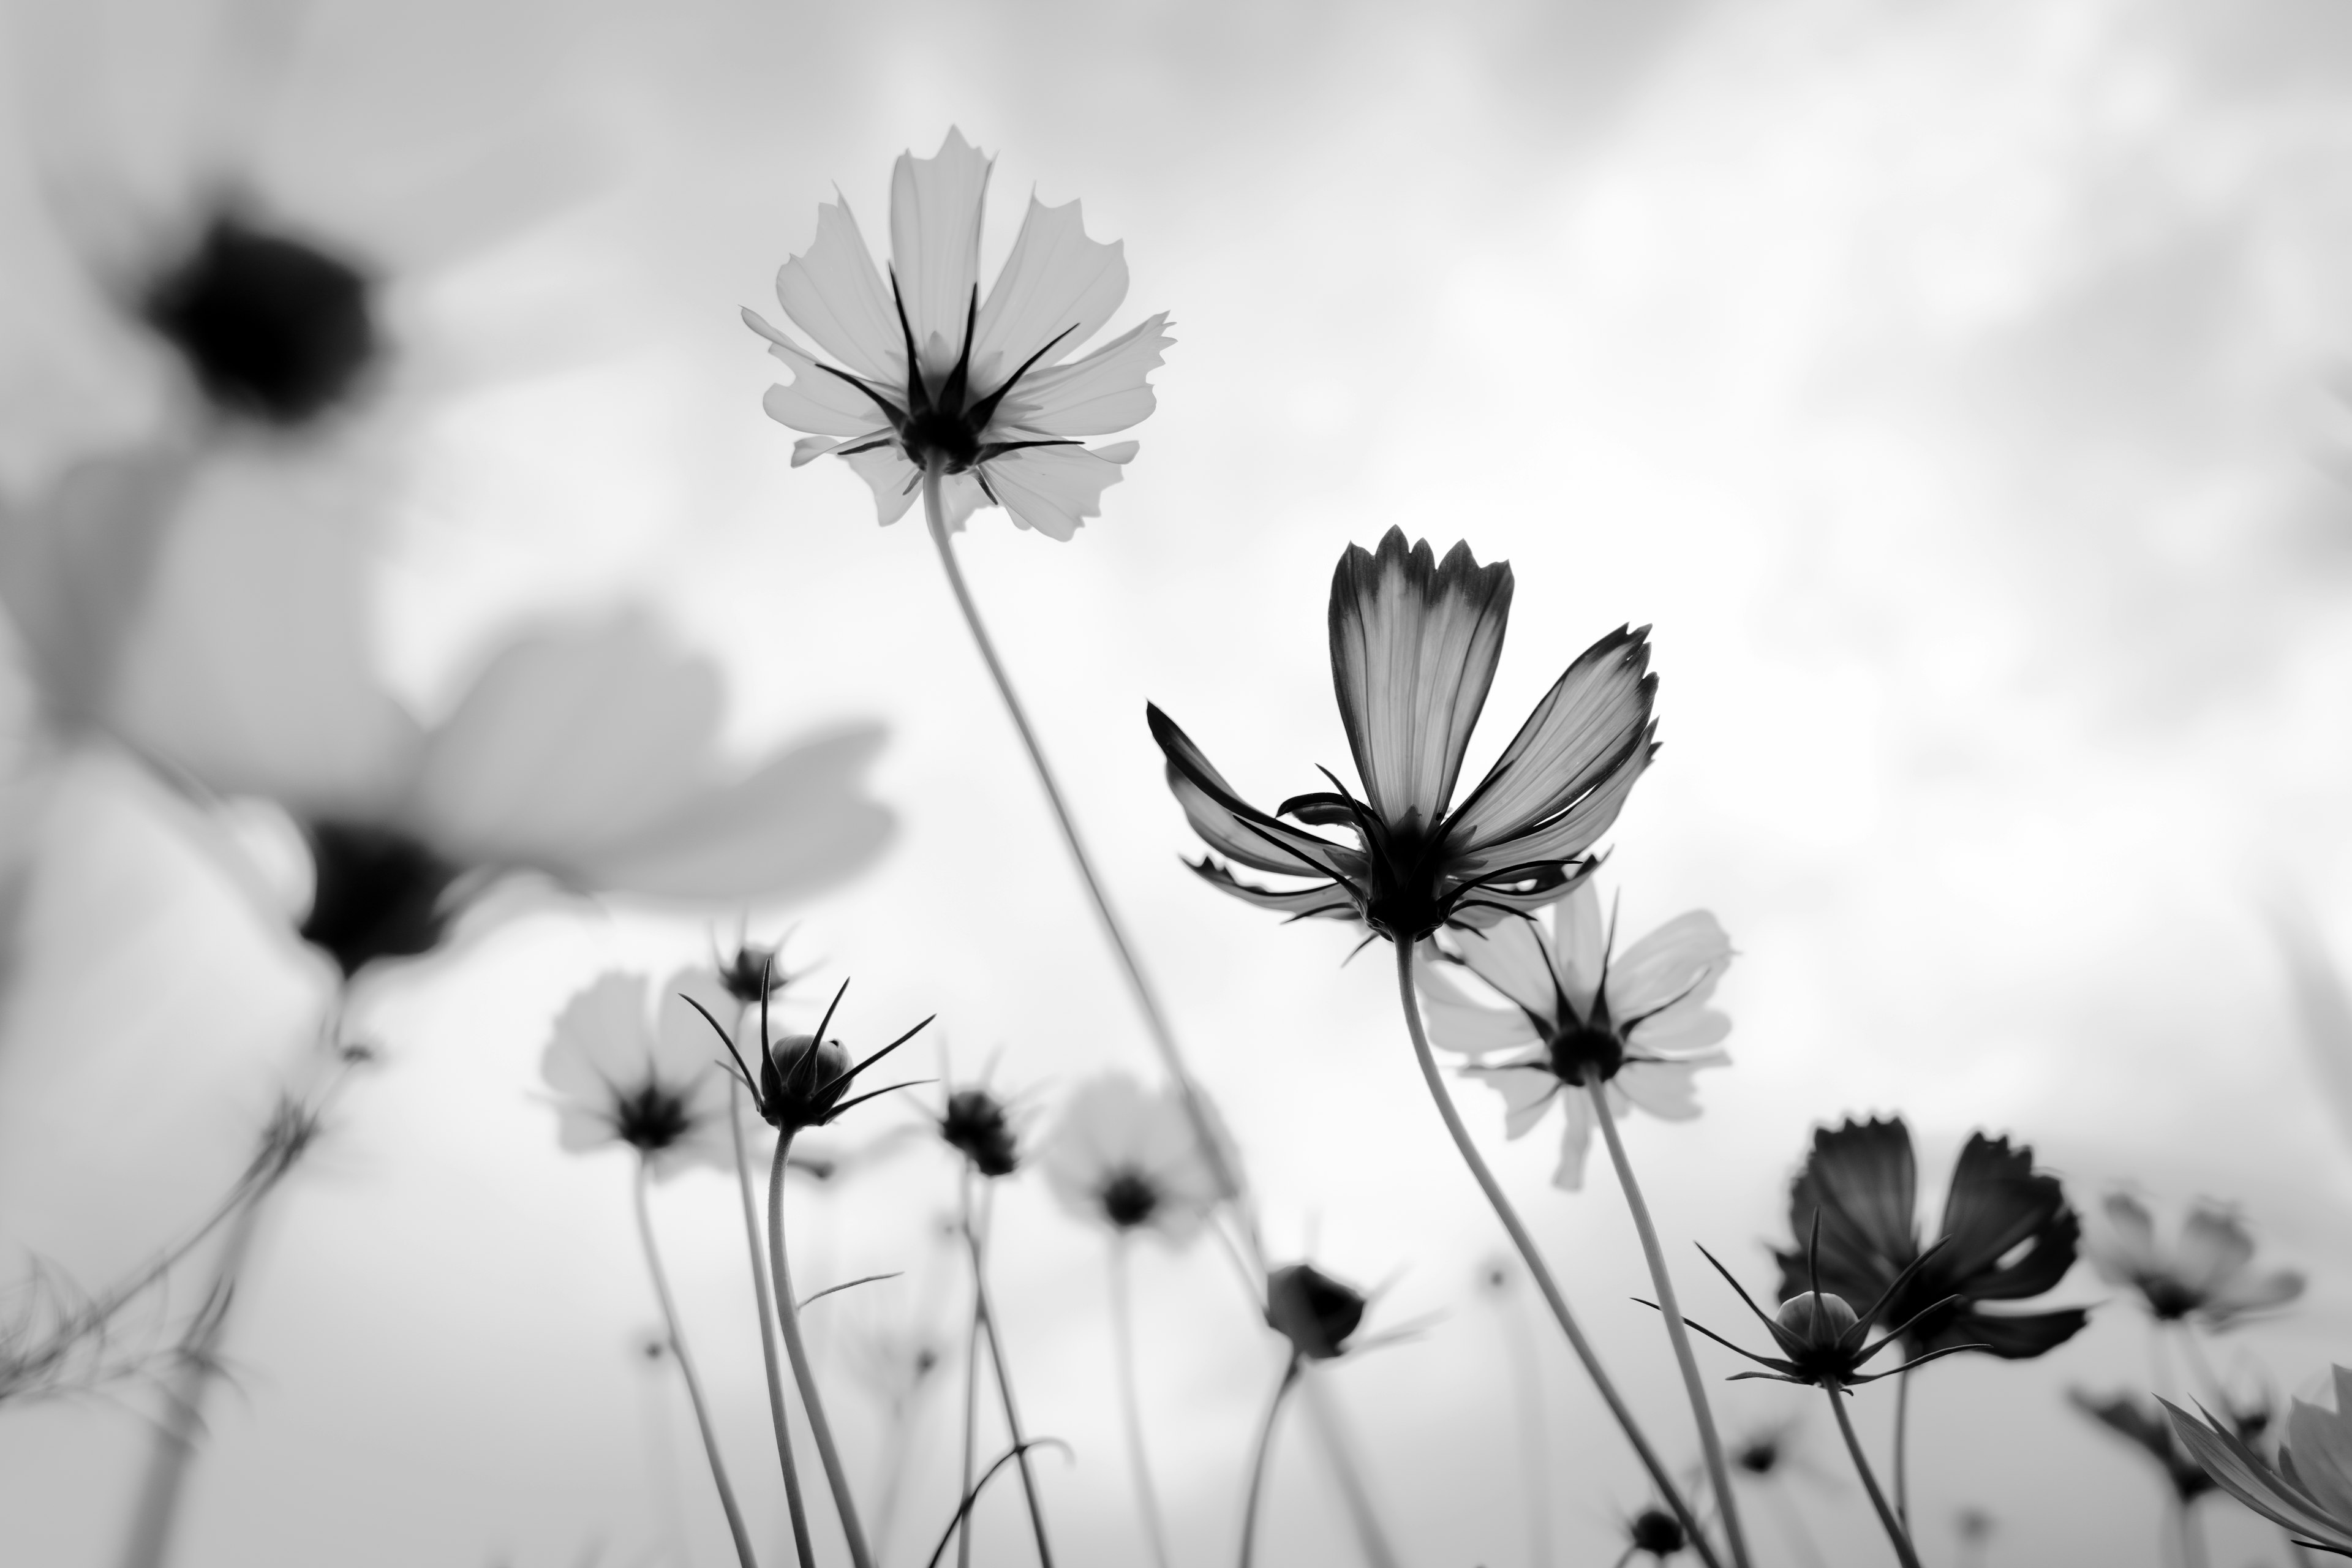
(1258, 1462)
(1131, 1403)
(1903, 1448)
(1660, 1477)
(1534, 1433)
(1894, 1532)
(778, 1412)
(2192, 1534)
(1710, 1442)
(676, 1335)
(788, 1319)
(971, 1391)
(992, 1327)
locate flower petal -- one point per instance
(1575, 1142)
(1594, 715)
(2215, 1247)
(601, 1042)
(1998, 1202)
(1103, 392)
(2238, 1470)
(816, 400)
(1862, 1180)
(834, 295)
(1676, 965)
(2249, 1292)
(1053, 490)
(1413, 645)
(1527, 1089)
(1457, 1022)
(1668, 1090)
(1298, 903)
(1240, 822)
(1678, 1032)
(1511, 956)
(1580, 944)
(2124, 1249)
(893, 479)
(935, 206)
(1558, 838)
(2011, 1336)
(1057, 285)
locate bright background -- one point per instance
(1950, 386)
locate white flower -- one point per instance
(924, 370)
(626, 1068)
(1125, 1156)
(2206, 1274)
(1640, 1022)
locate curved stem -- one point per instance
(1894, 1532)
(971, 1391)
(1710, 1442)
(676, 1335)
(1131, 1403)
(1258, 1462)
(985, 1311)
(778, 1412)
(1660, 1477)
(1903, 1448)
(788, 1319)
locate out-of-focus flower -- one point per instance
(1317, 1314)
(1656, 1533)
(751, 973)
(929, 373)
(1639, 1024)
(1413, 647)
(1824, 1341)
(2205, 1276)
(2310, 1492)
(627, 1068)
(978, 1125)
(2141, 1423)
(1125, 1156)
(2007, 1234)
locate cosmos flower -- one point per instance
(2205, 1276)
(925, 372)
(1656, 1533)
(804, 1081)
(977, 1125)
(2007, 1234)
(1317, 1315)
(1413, 647)
(1125, 1156)
(628, 1069)
(1640, 1024)
(1824, 1341)
(2309, 1494)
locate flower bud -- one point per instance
(1816, 1318)
(1313, 1312)
(803, 1080)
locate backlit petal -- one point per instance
(1585, 724)
(1562, 838)
(1103, 392)
(601, 1042)
(1053, 490)
(1679, 962)
(1319, 856)
(1055, 282)
(1527, 1092)
(1510, 955)
(1298, 903)
(1580, 944)
(1996, 1201)
(935, 206)
(2214, 1247)
(1668, 1090)
(1678, 1031)
(816, 400)
(832, 293)
(2249, 1292)
(1458, 1022)
(893, 479)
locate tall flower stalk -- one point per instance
(779, 1413)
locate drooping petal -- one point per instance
(1511, 956)
(2011, 1336)
(1596, 710)
(832, 293)
(1526, 1090)
(1457, 1022)
(1106, 391)
(1319, 857)
(1057, 285)
(1230, 833)
(1413, 646)
(893, 479)
(1053, 490)
(1298, 903)
(935, 206)
(815, 400)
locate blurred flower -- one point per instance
(2207, 1276)
(1317, 1314)
(2007, 1234)
(1824, 1341)
(1640, 1024)
(751, 973)
(977, 1125)
(2310, 1493)
(1127, 1157)
(1653, 1533)
(1413, 649)
(934, 375)
(2141, 1423)
(628, 1069)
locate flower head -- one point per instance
(1639, 1023)
(979, 1126)
(2007, 1234)
(627, 1069)
(928, 375)
(804, 1081)
(1317, 1314)
(1823, 1341)
(2309, 1494)
(1125, 1156)
(751, 973)
(2207, 1276)
(1414, 644)
(1654, 1532)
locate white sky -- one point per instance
(1949, 385)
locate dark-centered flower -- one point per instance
(1124, 1156)
(2007, 1234)
(2309, 1494)
(930, 372)
(1639, 1024)
(628, 1070)
(1413, 647)
(2206, 1276)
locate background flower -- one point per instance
(1125, 1156)
(2206, 1276)
(642, 1070)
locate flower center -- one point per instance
(1128, 1199)
(651, 1118)
(379, 894)
(1585, 1051)
(270, 328)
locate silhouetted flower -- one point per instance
(1413, 649)
(1640, 1024)
(1317, 1314)
(930, 374)
(751, 973)
(2309, 1494)
(627, 1068)
(2007, 1234)
(804, 1081)
(1824, 1341)
(1127, 1157)
(977, 1125)
(1653, 1533)
(2207, 1276)
(2141, 1423)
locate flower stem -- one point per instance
(675, 1333)
(985, 1315)
(1894, 1532)
(1131, 1403)
(2192, 1536)
(788, 1319)
(1534, 1433)
(1659, 1475)
(1258, 1462)
(1709, 1441)
(802, 1548)
(1903, 1448)
(971, 1392)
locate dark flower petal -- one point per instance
(1232, 825)
(2011, 1336)
(1323, 899)
(1592, 721)
(1863, 1181)
(1997, 1200)
(379, 893)
(1413, 646)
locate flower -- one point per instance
(802, 1079)
(626, 1070)
(2310, 1492)
(1824, 1341)
(2205, 1276)
(1640, 1024)
(1127, 1157)
(932, 376)
(2008, 1234)
(2142, 1423)
(1654, 1532)
(1413, 647)
(1317, 1314)
(977, 1125)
